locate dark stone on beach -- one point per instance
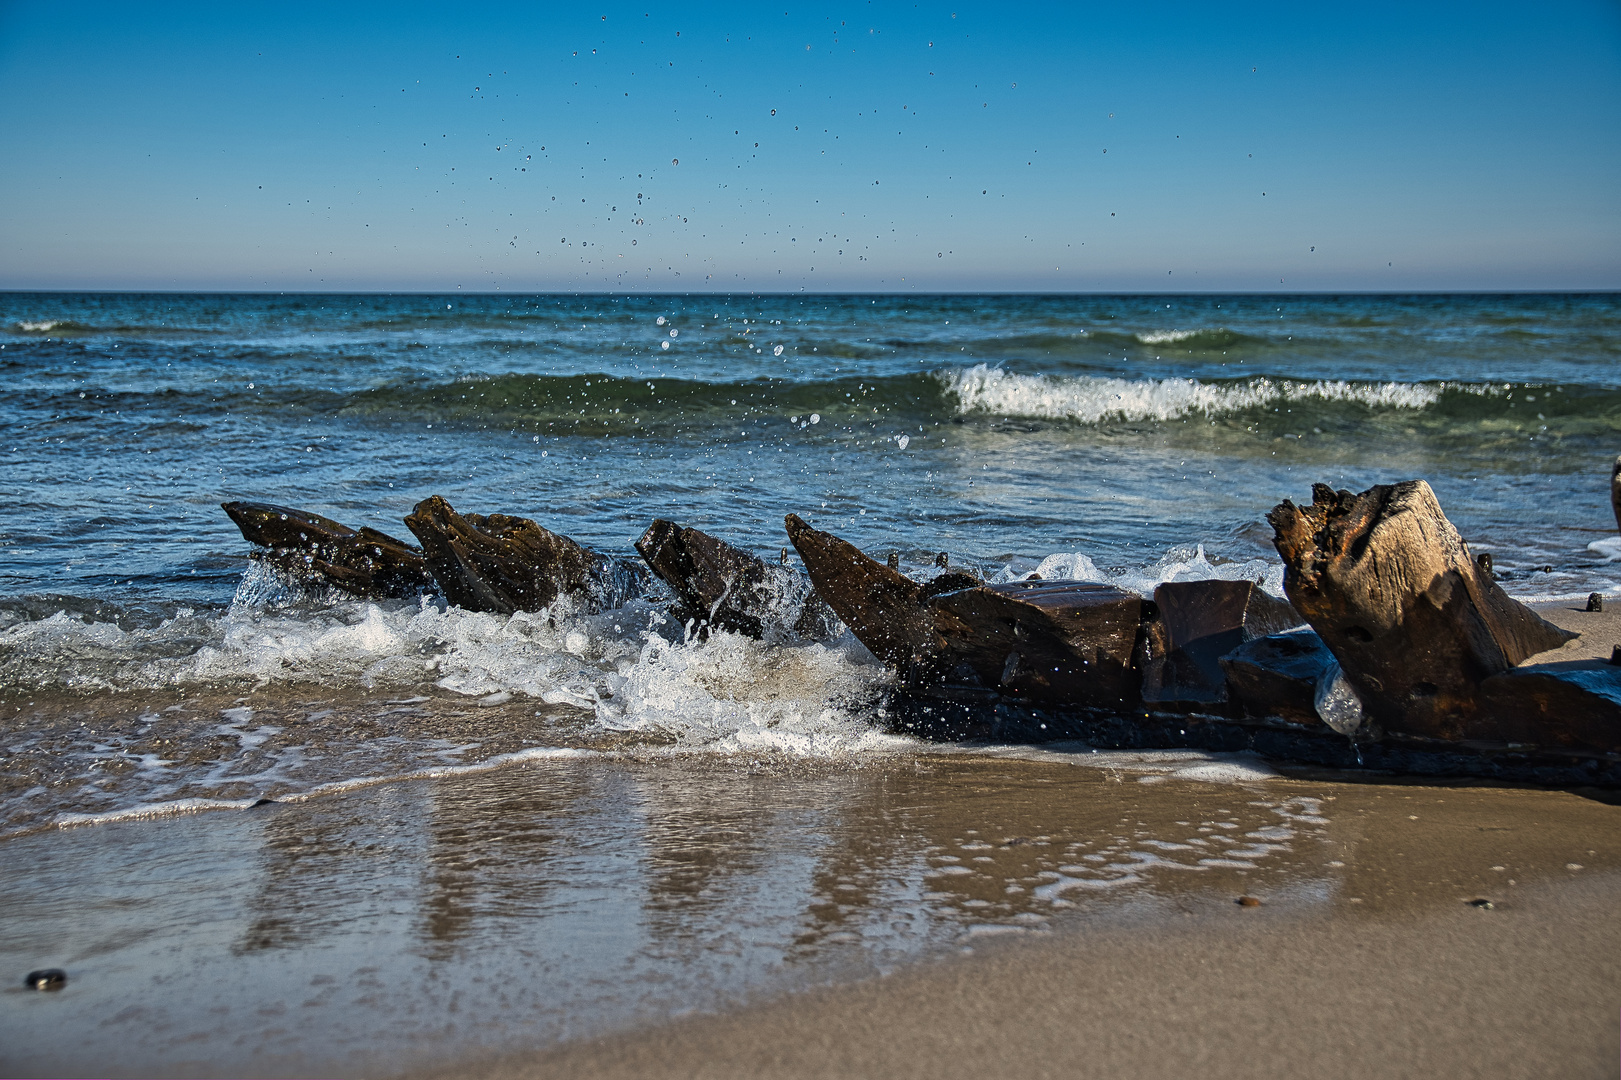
(504, 564)
(1278, 676)
(1595, 601)
(1066, 641)
(318, 550)
(1483, 562)
(1390, 587)
(1248, 901)
(717, 584)
(1615, 654)
(1482, 903)
(1573, 704)
(262, 802)
(46, 979)
(883, 608)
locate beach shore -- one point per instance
(632, 910)
(1413, 977)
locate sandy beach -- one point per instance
(1526, 989)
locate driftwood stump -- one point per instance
(1388, 584)
(1187, 630)
(501, 563)
(1065, 641)
(318, 550)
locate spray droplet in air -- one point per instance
(777, 351)
(664, 344)
(659, 321)
(816, 418)
(674, 332)
(903, 441)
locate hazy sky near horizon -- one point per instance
(855, 146)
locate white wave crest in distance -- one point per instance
(1091, 399)
(1168, 337)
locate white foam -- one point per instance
(38, 327)
(1178, 564)
(1196, 765)
(1609, 549)
(189, 806)
(1167, 337)
(1091, 399)
(731, 693)
(150, 810)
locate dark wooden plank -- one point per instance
(1278, 676)
(883, 608)
(1045, 640)
(1192, 625)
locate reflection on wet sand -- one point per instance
(396, 924)
(491, 852)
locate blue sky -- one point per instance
(863, 146)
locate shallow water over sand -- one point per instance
(405, 925)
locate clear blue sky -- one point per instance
(856, 146)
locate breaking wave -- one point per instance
(1093, 399)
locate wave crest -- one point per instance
(1092, 399)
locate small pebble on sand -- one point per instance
(46, 979)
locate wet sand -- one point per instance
(1527, 989)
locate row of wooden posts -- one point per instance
(1392, 634)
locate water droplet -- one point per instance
(675, 333)
(774, 352)
(660, 321)
(664, 344)
(903, 441)
(816, 418)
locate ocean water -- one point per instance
(146, 665)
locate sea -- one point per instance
(176, 720)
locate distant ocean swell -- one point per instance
(604, 405)
(588, 404)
